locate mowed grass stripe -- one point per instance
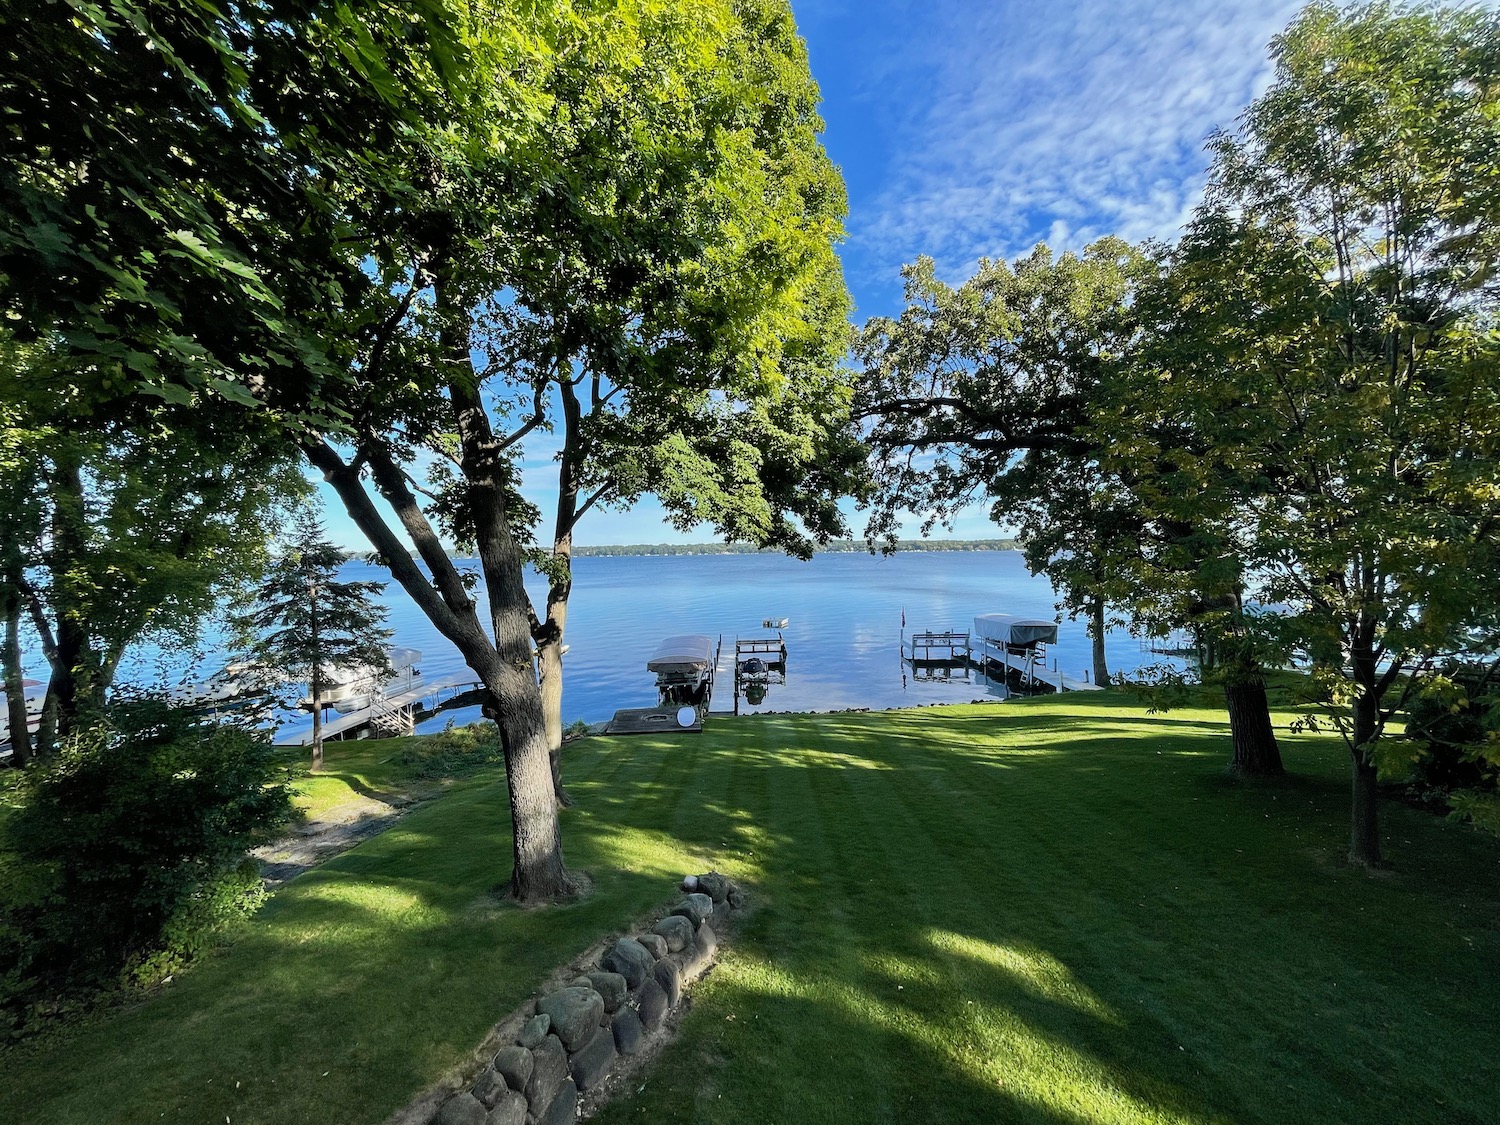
(1141, 940)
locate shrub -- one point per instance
(1455, 722)
(455, 752)
(127, 853)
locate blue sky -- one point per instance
(976, 128)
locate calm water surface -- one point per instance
(843, 636)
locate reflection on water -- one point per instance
(843, 633)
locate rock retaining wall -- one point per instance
(566, 1041)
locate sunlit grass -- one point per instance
(1061, 911)
(361, 770)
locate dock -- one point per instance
(650, 720)
(950, 653)
(686, 668)
(396, 713)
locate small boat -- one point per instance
(684, 668)
(774, 623)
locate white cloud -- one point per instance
(1018, 121)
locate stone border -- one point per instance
(567, 1040)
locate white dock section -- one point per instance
(1070, 683)
(387, 704)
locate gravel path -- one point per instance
(336, 831)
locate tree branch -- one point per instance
(38, 615)
(387, 330)
(454, 617)
(538, 415)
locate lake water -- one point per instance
(843, 634)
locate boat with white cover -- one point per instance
(1003, 636)
(236, 682)
(684, 668)
(351, 687)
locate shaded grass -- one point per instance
(1053, 911)
(385, 769)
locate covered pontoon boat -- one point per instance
(1017, 634)
(1003, 636)
(684, 668)
(351, 687)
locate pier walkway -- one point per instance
(388, 705)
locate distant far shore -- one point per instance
(838, 546)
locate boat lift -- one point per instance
(1003, 636)
(759, 662)
(684, 667)
(938, 655)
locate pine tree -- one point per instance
(302, 620)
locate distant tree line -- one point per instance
(833, 546)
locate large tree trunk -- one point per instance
(1256, 753)
(1364, 821)
(15, 687)
(46, 729)
(539, 873)
(549, 633)
(503, 664)
(550, 672)
(77, 683)
(1096, 636)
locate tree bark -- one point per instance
(15, 688)
(1096, 636)
(549, 633)
(315, 678)
(1364, 820)
(550, 674)
(74, 685)
(46, 728)
(1256, 753)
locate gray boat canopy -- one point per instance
(1020, 632)
(688, 655)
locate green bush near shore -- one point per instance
(1053, 911)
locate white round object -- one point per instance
(687, 716)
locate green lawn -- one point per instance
(383, 769)
(1053, 911)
